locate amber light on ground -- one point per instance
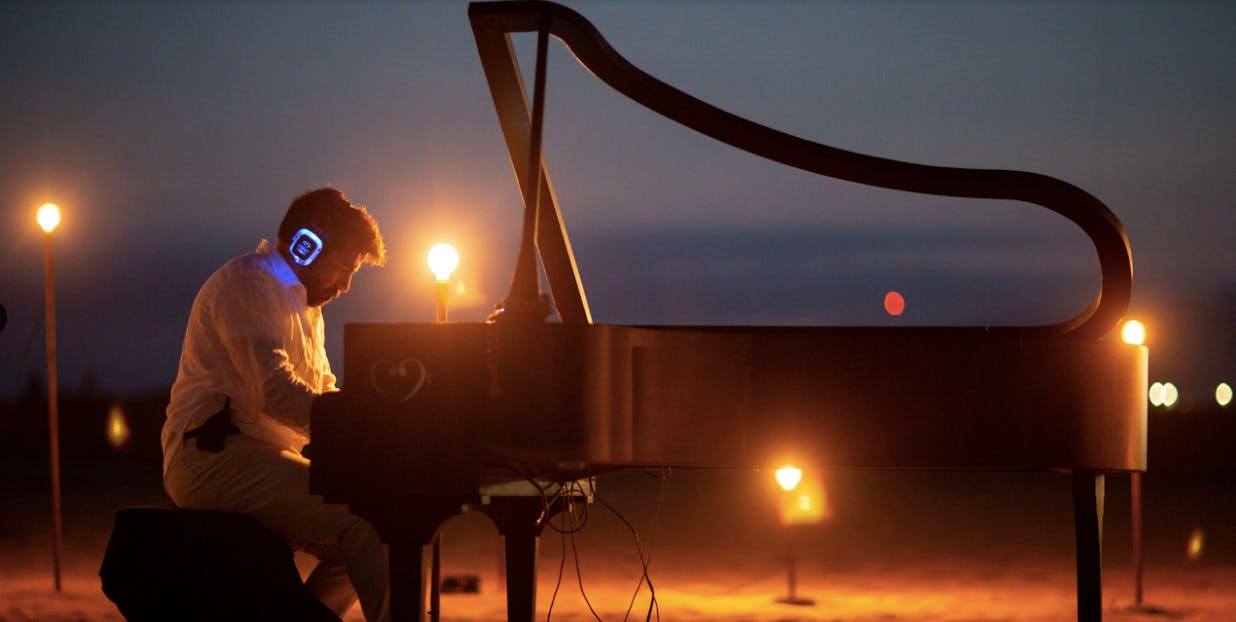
(807, 504)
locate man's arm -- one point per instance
(254, 325)
(272, 384)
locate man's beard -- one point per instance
(315, 299)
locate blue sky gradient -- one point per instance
(174, 136)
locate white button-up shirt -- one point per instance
(251, 337)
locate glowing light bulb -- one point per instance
(48, 217)
(1170, 394)
(1223, 394)
(1156, 394)
(443, 259)
(1134, 332)
(788, 477)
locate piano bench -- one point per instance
(164, 563)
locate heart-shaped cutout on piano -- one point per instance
(397, 381)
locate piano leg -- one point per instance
(409, 564)
(516, 520)
(1088, 493)
(408, 543)
(1135, 495)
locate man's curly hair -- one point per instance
(348, 226)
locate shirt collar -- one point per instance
(278, 265)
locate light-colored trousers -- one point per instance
(256, 478)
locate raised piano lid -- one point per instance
(1049, 396)
(578, 397)
(492, 24)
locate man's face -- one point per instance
(330, 276)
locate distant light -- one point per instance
(1170, 394)
(1223, 394)
(1134, 332)
(894, 303)
(443, 259)
(788, 477)
(1197, 543)
(807, 504)
(48, 217)
(804, 503)
(1156, 394)
(117, 427)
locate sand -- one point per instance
(935, 547)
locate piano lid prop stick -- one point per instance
(525, 298)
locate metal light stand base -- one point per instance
(795, 601)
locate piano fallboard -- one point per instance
(577, 398)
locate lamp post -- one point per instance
(49, 217)
(1134, 333)
(788, 478)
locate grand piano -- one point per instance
(432, 415)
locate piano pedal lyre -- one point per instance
(520, 510)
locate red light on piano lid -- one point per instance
(894, 303)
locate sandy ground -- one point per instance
(932, 547)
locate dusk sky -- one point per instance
(173, 138)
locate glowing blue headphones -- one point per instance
(305, 246)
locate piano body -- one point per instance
(432, 413)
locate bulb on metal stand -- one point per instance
(443, 259)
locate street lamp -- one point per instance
(48, 218)
(1134, 333)
(788, 478)
(443, 259)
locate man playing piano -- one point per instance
(252, 362)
